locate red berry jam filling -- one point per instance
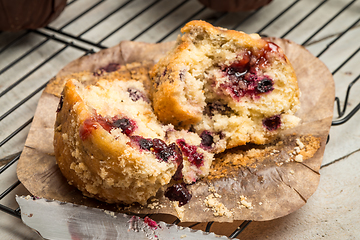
(161, 150)
(86, 128)
(250, 84)
(272, 123)
(178, 192)
(245, 75)
(207, 139)
(190, 152)
(127, 126)
(61, 102)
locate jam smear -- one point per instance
(272, 123)
(86, 128)
(190, 152)
(127, 126)
(111, 67)
(207, 139)
(178, 192)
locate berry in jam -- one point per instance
(126, 125)
(61, 102)
(161, 150)
(146, 144)
(178, 192)
(245, 77)
(272, 123)
(265, 85)
(190, 152)
(206, 139)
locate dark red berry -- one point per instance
(245, 75)
(126, 126)
(161, 149)
(206, 139)
(272, 123)
(146, 144)
(190, 152)
(61, 102)
(178, 192)
(265, 85)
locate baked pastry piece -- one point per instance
(229, 87)
(110, 145)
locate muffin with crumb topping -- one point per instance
(229, 87)
(110, 145)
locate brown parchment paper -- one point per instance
(264, 187)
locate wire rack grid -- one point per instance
(30, 58)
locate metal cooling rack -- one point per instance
(86, 27)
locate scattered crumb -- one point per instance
(179, 210)
(217, 195)
(155, 204)
(109, 213)
(183, 236)
(299, 158)
(212, 189)
(217, 207)
(260, 203)
(245, 202)
(299, 143)
(292, 171)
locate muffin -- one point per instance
(229, 87)
(110, 145)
